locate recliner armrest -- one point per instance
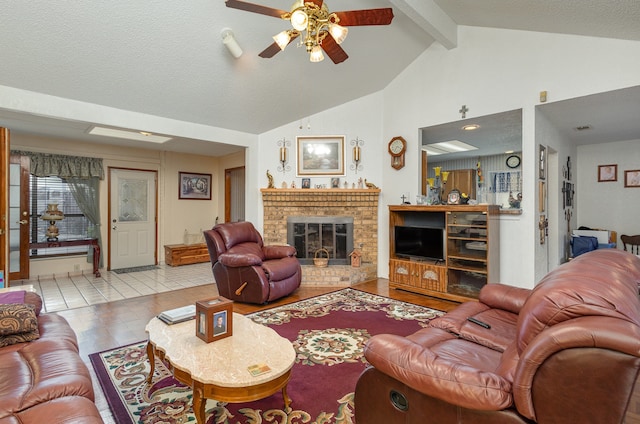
(236, 260)
(425, 371)
(278, 251)
(502, 296)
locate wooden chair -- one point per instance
(633, 242)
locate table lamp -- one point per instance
(52, 214)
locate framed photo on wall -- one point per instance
(194, 186)
(320, 155)
(607, 173)
(632, 178)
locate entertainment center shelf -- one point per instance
(445, 251)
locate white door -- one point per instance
(132, 235)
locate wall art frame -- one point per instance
(542, 162)
(194, 186)
(632, 178)
(607, 173)
(320, 155)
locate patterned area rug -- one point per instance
(328, 333)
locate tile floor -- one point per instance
(62, 292)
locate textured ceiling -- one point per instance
(166, 58)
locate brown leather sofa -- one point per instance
(245, 269)
(567, 351)
(45, 380)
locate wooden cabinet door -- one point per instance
(462, 179)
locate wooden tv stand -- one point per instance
(472, 256)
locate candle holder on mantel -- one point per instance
(52, 214)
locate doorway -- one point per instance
(234, 187)
(18, 217)
(132, 218)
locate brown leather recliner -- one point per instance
(245, 269)
(567, 351)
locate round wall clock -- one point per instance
(397, 149)
(513, 161)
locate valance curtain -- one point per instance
(83, 176)
(63, 166)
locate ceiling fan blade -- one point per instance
(255, 8)
(274, 49)
(270, 51)
(382, 16)
(333, 50)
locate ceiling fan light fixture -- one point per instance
(338, 32)
(299, 20)
(282, 39)
(316, 54)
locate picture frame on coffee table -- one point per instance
(214, 319)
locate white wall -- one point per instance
(361, 118)
(608, 205)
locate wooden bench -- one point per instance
(185, 254)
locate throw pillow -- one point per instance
(18, 324)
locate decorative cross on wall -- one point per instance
(463, 110)
(404, 198)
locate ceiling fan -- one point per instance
(321, 30)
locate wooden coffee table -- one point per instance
(219, 370)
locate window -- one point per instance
(46, 190)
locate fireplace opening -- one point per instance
(309, 234)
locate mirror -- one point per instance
(493, 141)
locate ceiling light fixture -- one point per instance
(451, 146)
(229, 40)
(128, 134)
(471, 127)
(316, 23)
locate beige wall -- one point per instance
(174, 215)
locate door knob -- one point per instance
(114, 227)
(23, 222)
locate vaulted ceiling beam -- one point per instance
(432, 19)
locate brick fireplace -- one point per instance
(361, 204)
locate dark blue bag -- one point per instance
(583, 244)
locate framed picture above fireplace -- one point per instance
(321, 155)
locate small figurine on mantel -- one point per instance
(284, 184)
(346, 185)
(369, 185)
(360, 183)
(270, 179)
(293, 184)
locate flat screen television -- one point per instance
(419, 242)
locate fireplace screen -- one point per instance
(308, 234)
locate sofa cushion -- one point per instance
(578, 288)
(233, 233)
(18, 324)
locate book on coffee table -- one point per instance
(174, 316)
